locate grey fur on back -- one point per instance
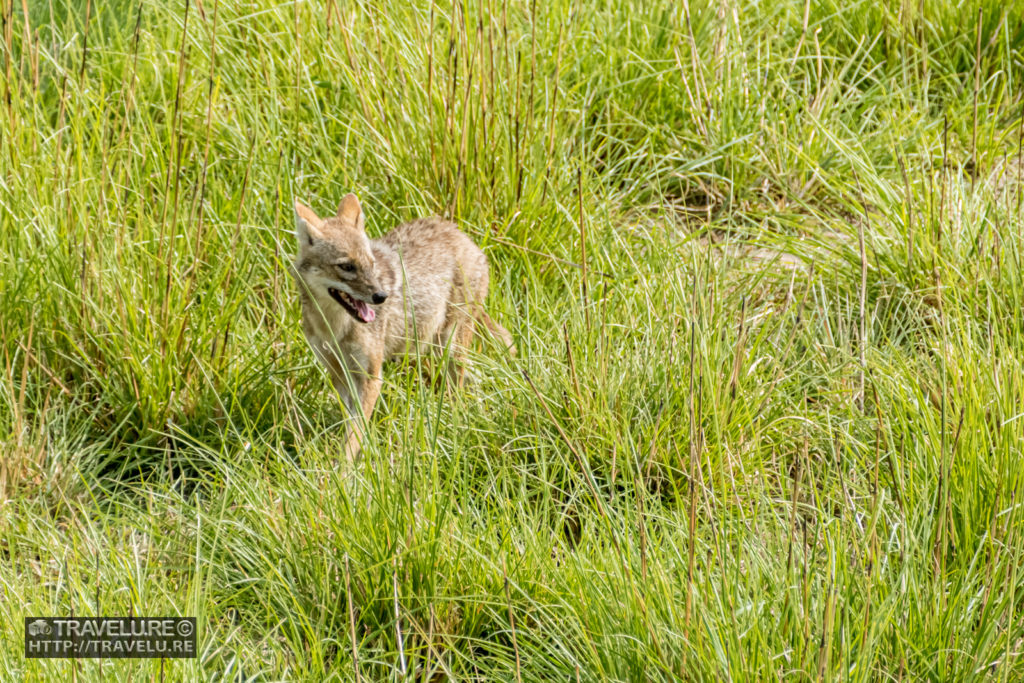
(443, 276)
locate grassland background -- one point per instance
(761, 260)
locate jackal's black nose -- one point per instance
(379, 297)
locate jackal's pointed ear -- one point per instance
(351, 212)
(307, 224)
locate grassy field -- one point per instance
(762, 262)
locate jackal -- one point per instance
(420, 287)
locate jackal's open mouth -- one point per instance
(356, 308)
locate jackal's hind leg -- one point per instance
(458, 363)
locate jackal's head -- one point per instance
(335, 259)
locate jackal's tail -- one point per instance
(498, 331)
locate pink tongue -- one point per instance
(366, 314)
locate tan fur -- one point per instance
(435, 280)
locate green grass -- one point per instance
(770, 426)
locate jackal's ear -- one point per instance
(351, 212)
(307, 224)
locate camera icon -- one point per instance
(39, 627)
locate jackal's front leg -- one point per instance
(368, 390)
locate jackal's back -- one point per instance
(444, 272)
